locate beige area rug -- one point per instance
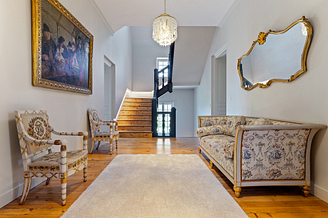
(145, 186)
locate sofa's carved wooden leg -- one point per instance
(237, 191)
(199, 150)
(306, 190)
(212, 165)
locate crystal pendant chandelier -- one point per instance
(165, 29)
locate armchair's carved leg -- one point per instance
(199, 150)
(98, 145)
(63, 171)
(92, 146)
(212, 165)
(63, 188)
(237, 191)
(116, 143)
(48, 181)
(85, 173)
(26, 189)
(110, 146)
(306, 190)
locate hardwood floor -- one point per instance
(44, 201)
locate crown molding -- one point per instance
(227, 15)
(102, 16)
(221, 50)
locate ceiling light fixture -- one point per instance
(165, 29)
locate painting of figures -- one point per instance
(65, 56)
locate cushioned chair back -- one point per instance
(35, 124)
(94, 120)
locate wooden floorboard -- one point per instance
(257, 202)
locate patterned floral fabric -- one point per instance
(274, 154)
(217, 150)
(275, 122)
(212, 121)
(36, 125)
(210, 130)
(257, 121)
(51, 162)
(232, 124)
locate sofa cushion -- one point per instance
(210, 130)
(227, 143)
(233, 122)
(212, 146)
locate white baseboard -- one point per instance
(16, 192)
(320, 193)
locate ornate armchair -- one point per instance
(34, 135)
(97, 134)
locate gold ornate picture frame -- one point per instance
(61, 49)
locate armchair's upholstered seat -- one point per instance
(97, 134)
(52, 161)
(37, 149)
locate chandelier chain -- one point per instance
(164, 6)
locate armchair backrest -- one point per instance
(35, 124)
(94, 120)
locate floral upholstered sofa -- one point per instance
(252, 151)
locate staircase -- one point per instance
(134, 120)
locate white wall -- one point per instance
(183, 100)
(67, 110)
(144, 54)
(121, 55)
(303, 100)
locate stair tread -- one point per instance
(133, 110)
(135, 114)
(134, 119)
(135, 125)
(134, 131)
(146, 99)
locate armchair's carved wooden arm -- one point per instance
(107, 122)
(84, 134)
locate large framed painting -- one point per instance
(62, 49)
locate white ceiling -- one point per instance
(197, 20)
(120, 13)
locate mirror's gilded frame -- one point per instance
(261, 40)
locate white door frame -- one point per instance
(113, 85)
(214, 78)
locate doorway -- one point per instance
(218, 82)
(109, 89)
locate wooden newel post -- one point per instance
(173, 122)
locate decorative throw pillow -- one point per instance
(233, 122)
(277, 122)
(212, 121)
(210, 130)
(260, 121)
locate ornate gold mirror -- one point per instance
(276, 56)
